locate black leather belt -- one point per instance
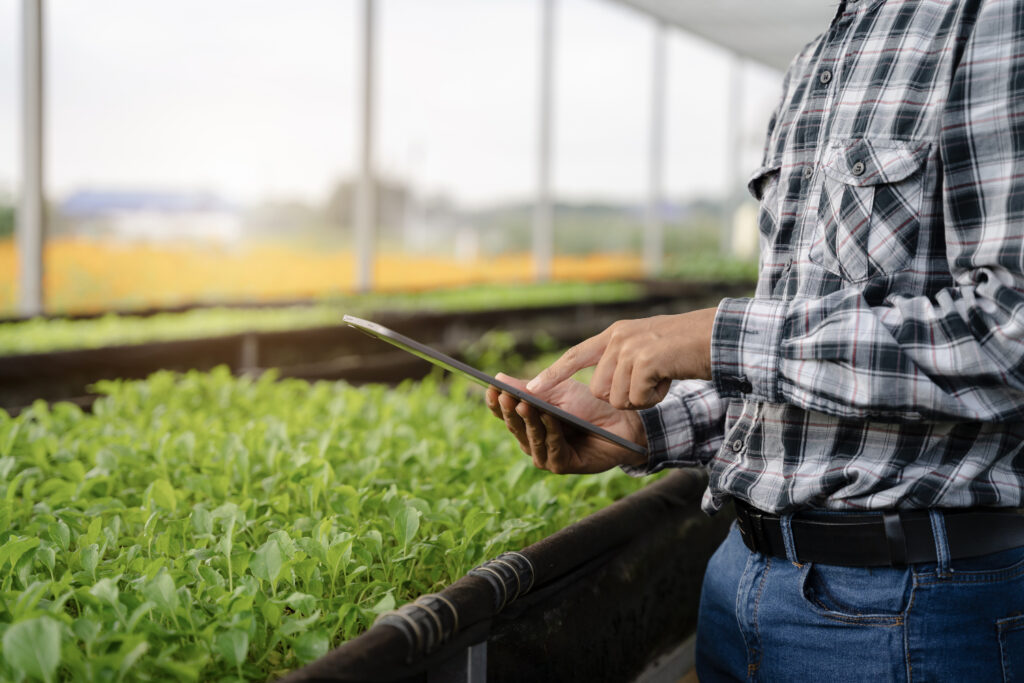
(879, 539)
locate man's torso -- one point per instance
(858, 177)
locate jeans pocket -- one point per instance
(1003, 566)
(1011, 647)
(869, 207)
(856, 595)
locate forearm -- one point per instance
(957, 355)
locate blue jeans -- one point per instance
(769, 619)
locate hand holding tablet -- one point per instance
(552, 431)
(559, 447)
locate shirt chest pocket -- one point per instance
(869, 208)
(764, 187)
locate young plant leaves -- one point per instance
(33, 647)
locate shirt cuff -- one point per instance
(745, 343)
(670, 435)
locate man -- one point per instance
(865, 409)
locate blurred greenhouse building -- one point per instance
(159, 154)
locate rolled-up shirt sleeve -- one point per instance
(684, 429)
(953, 354)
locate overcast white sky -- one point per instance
(256, 99)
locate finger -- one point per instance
(557, 449)
(491, 398)
(513, 421)
(621, 390)
(536, 434)
(583, 355)
(601, 382)
(648, 387)
(509, 379)
(516, 383)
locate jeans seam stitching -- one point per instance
(906, 630)
(737, 611)
(1011, 623)
(752, 668)
(1004, 661)
(886, 622)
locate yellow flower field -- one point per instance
(86, 275)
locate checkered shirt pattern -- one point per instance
(880, 362)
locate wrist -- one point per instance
(706, 332)
(637, 434)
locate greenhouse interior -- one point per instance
(207, 474)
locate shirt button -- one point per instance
(737, 445)
(825, 77)
(858, 168)
(789, 263)
(808, 171)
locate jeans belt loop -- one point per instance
(938, 523)
(786, 523)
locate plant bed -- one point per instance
(207, 527)
(42, 334)
(330, 352)
(599, 600)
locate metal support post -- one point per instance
(654, 229)
(249, 355)
(30, 228)
(543, 230)
(734, 153)
(469, 666)
(365, 205)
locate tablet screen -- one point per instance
(452, 365)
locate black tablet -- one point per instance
(452, 365)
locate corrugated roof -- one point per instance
(767, 31)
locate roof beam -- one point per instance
(767, 32)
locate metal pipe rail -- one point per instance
(652, 288)
(330, 352)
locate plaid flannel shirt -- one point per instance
(880, 363)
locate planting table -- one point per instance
(332, 352)
(600, 600)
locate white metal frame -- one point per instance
(543, 218)
(365, 206)
(31, 227)
(32, 214)
(734, 152)
(654, 229)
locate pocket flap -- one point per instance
(863, 162)
(759, 179)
